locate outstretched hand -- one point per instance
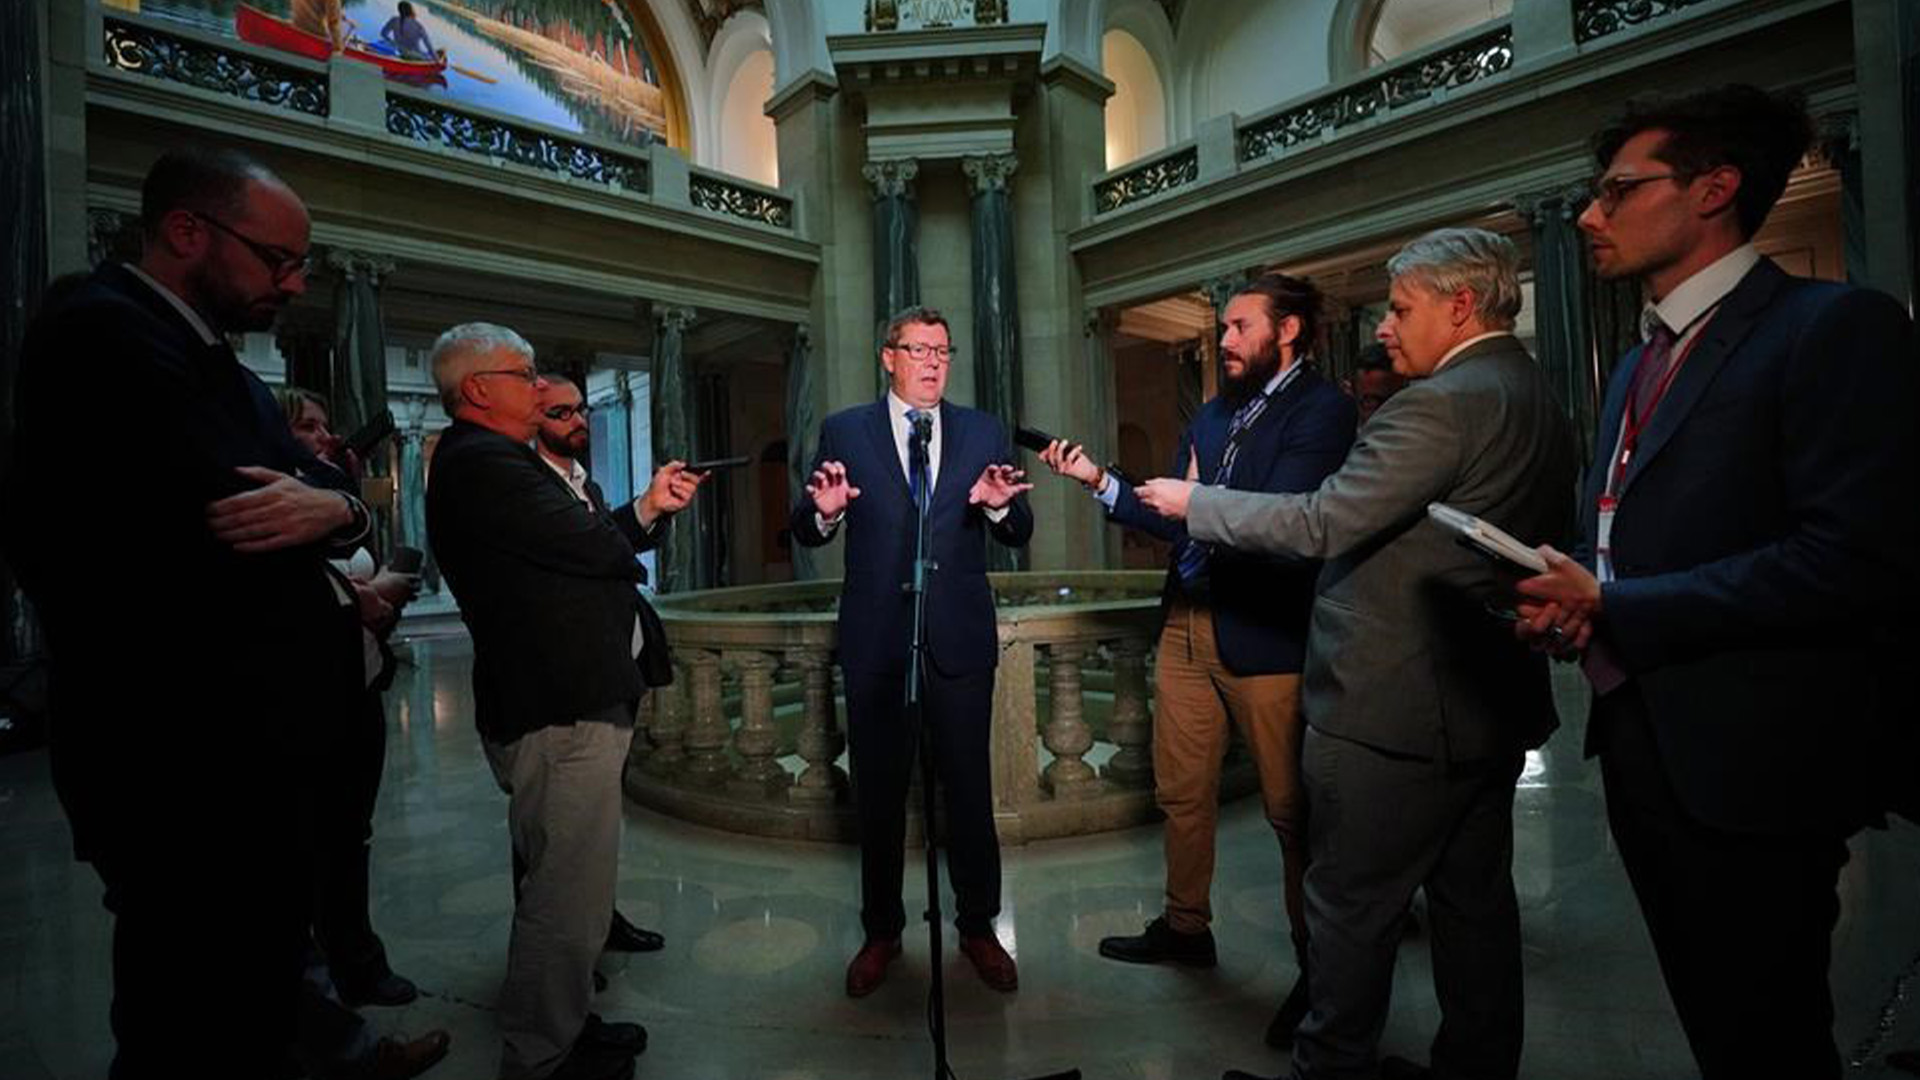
(829, 489)
(670, 491)
(1166, 497)
(1071, 461)
(997, 486)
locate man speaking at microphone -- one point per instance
(874, 465)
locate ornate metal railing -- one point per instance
(1473, 60)
(1598, 18)
(721, 196)
(1161, 174)
(748, 737)
(146, 50)
(427, 121)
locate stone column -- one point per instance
(360, 372)
(411, 519)
(23, 251)
(996, 308)
(1563, 340)
(1067, 734)
(1103, 432)
(1837, 144)
(896, 255)
(674, 439)
(800, 422)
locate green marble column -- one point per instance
(1103, 432)
(673, 439)
(801, 422)
(360, 368)
(896, 255)
(996, 309)
(1563, 339)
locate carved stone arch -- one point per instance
(1145, 21)
(1350, 35)
(743, 37)
(1075, 31)
(799, 41)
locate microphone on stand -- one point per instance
(921, 436)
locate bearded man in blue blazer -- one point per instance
(875, 463)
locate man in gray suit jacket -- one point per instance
(1419, 702)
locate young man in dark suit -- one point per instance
(1236, 624)
(195, 816)
(874, 462)
(1744, 580)
(563, 441)
(546, 588)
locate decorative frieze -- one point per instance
(1598, 18)
(1159, 175)
(718, 196)
(428, 122)
(144, 50)
(1471, 61)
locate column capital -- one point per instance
(353, 264)
(802, 336)
(1221, 289)
(1099, 322)
(1835, 134)
(1565, 199)
(989, 172)
(891, 177)
(112, 234)
(674, 318)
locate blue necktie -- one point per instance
(916, 460)
(1191, 556)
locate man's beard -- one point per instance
(1238, 389)
(227, 310)
(565, 447)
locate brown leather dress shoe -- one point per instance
(869, 967)
(996, 968)
(404, 1059)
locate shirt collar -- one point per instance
(897, 408)
(200, 327)
(573, 472)
(1468, 344)
(1700, 293)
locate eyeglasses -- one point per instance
(564, 413)
(282, 263)
(524, 374)
(922, 353)
(1607, 191)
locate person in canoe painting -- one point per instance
(405, 33)
(322, 18)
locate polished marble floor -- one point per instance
(759, 931)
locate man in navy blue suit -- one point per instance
(874, 462)
(1743, 578)
(1235, 626)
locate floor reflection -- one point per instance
(759, 931)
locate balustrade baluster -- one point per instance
(760, 774)
(667, 727)
(1131, 728)
(1067, 735)
(822, 781)
(707, 735)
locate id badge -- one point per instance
(1603, 540)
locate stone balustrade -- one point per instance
(750, 736)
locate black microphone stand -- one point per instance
(923, 566)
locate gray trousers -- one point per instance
(1379, 827)
(563, 814)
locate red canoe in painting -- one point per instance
(259, 28)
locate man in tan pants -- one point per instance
(1236, 625)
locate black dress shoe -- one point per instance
(623, 936)
(1285, 1021)
(588, 1062)
(629, 1039)
(1236, 1074)
(1162, 944)
(380, 987)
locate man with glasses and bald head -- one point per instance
(546, 586)
(194, 814)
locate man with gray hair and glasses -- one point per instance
(546, 588)
(1419, 701)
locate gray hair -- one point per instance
(1484, 263)
(458, 354)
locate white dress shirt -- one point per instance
(575, 476)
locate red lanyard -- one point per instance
(1631, 425)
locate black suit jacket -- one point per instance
(1259, 602)
(1764, 544)
(546, 584)
(876, 616)
(185, 675)
(656, 660)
